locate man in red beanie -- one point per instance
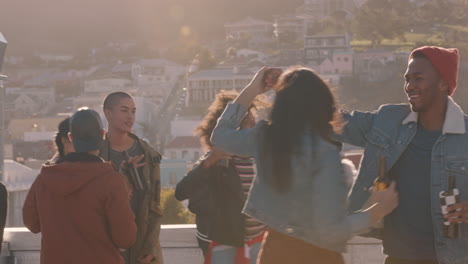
(424, 144)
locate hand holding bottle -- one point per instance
(382, 202)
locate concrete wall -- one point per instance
(179, 247)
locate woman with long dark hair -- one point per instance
(300, 190)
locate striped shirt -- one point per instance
(246, 168)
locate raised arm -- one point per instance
(355, 127)
(226, 134)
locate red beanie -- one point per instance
(445, 61)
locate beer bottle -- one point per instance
(383, 180)
(447, 198)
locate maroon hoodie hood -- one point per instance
(68, 177)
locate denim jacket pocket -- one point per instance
(378, 138)
(457, 165)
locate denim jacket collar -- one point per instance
(454, 118)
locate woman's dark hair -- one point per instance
(206, 126)
(304, 103)
(63, 129)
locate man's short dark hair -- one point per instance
(113, 99)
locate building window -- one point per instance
(346, 59)
(184, 154)
(196, 155)
(173, 155)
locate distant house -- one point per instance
(172, 171)
(293, 26)
(21, 105)
(184, 126)
(205, 84)
(107, 84)
(251, 54)
(180, 155)
(185, 147)
(340, 63)
(374, 65)
(149, 70)
(256, 32)
(156, 77)
(289, 57)
(319, 47)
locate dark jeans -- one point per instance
(392, 260)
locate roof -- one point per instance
(184, 142)
(109, 76)
(156, 62)
(248, 21)
(18, 177)
(9, 98)
(125, 67)
(221, 72)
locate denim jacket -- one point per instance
(388, 131)
(314, 208)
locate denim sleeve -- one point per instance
(355, 126)
(333, 224)
(229, 138)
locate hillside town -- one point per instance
(173, 85)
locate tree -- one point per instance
(173, 210)
(377, 20)
(206, 59)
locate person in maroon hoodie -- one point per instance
(81, 205)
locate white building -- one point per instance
(42, 95)
(17, 179)
(107, 84)
(184, 126)
(147, 71)
(375, 65)
(205, 84)
(21, 105)
(319, 47)
(156, 78)
(250, 54)
(145, 120)
(296, 25)
(186, 148)
(256, 31)
(173, 171)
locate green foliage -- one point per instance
(174, 211)
(337, 23)
(377, 20)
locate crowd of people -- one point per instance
(268, 191)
